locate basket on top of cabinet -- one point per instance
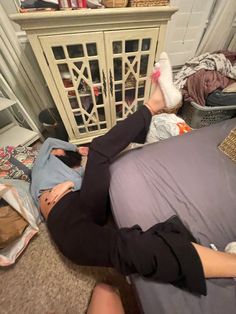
(148, 3)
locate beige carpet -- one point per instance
(44, 282)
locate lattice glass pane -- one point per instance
(146, 43)
(131, 64)
(94, 68)
(78, 118)
(58, 53)
(82, 129)
(85, 73)
(65, 75)
(92, 49)
(84, 88)
(93, 128)
(101, 114)
(118, 87)
(75, 51)
(99, 97)
(141, 89)
(126, 111)
(103, 125)
(131, 45)
(117, 69)
(73, 102)
(118, 96)
(139, 104)
(117, 47)
(131, 81)
(86, 103)
(131, 59)
(129, 96)
(75, 74)
(119, 110)
(143, 65)
(78, 64)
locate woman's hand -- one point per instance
(83, 150)
(55, 194)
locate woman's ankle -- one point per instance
(154, 107)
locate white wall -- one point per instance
(221, 29)
(186, 28)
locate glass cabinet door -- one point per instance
(130, 60)
(77, 63)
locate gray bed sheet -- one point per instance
(189, 176)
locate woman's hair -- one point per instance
(71, 159)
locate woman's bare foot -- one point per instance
(156, 102)
(83, 150)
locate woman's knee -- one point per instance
(105, 299)
(98, 148)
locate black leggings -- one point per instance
(76, 222)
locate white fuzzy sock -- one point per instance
(171, 94)
(231, 247)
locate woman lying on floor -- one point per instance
(75, 207)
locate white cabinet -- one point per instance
(96, 62)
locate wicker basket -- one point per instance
(228, 146)
(197, 116)
(115, 3)
(148, 3)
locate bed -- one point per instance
(189, 176)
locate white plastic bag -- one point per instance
(16, 194)
(163, 126)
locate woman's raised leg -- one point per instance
(96, 181)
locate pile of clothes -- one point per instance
(209, 79)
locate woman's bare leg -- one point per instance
(216, 264)
(105, 300)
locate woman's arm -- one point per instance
(50, 144)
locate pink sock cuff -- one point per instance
(155, 75)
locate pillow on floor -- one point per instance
(17, 162)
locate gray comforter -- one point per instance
(188, 176)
